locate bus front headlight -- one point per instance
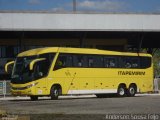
(31, 85)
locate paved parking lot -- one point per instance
(90, 106)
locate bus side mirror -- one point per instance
(7, 65)
(32, 63)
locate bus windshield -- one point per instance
(21, 72)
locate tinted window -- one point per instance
(91, 61)
(64, 60)
(145, 62)
(95, 61)
(135, 62)
(80, 61)
(101, 61)
(110, 62)
(43, 66)
(129, 62)
(21, 72)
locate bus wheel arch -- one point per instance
(122, 90)
(132, 90)
(55, 91)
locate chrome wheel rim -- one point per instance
(56, 92)
(121, 91)
(132, 91)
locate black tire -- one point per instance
(55, 92)
(34, 98)
(121, 92)
(132, 90)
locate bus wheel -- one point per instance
(121, 92)
(55, 92)
(132, 90)
(34, 98)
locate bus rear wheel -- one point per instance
(121, 92)
(131, 91)
(34, 98)
(55, 92)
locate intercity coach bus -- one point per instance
(55, 71)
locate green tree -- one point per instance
(156, 62)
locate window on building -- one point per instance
(9, 51)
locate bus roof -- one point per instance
(38, 51)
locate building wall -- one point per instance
(79, 22)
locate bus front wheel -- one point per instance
(55, 92)
(121, 92)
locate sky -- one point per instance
(116, 6)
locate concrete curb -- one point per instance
(60, 97)
(63, 97)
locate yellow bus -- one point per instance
(55, 71)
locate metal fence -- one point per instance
(4, 88)
(156, 84)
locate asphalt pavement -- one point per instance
(82, 107)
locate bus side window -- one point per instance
(61, 62)
(69, 62)
(77, 61)
(130, 62)
(145, 62)
(95, 61)
(110, 62)
(98, 61)
(106, 62)
(126, 62)
(135, 63)
(91, 62)
(80, 60)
